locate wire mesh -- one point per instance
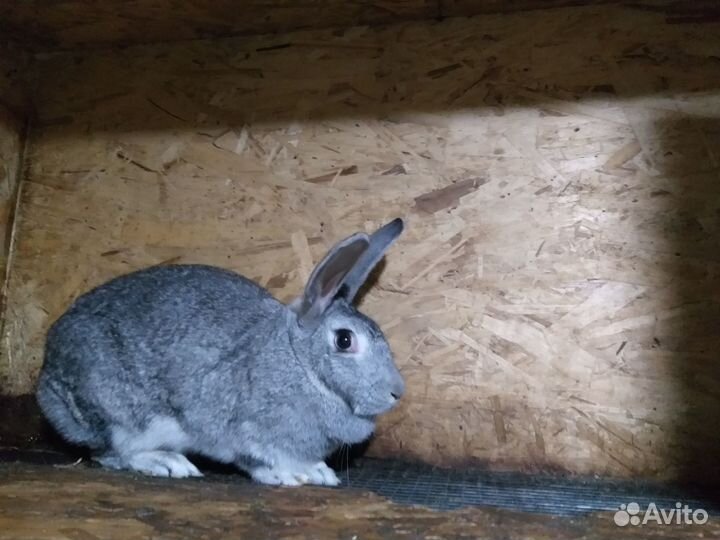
(450, 489)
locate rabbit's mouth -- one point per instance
(374, 408)
(370, 411)
(361, 410)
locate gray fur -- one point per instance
(195, 359)
(379, 242)
(327, 278)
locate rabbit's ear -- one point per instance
(380, 241)
(327, 278)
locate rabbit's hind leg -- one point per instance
(155, 451)
(68, 414)
(162, 463)
(152, 463)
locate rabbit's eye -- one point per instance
(344, 340)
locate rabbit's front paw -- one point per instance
(296, 475)
(278, 476)
(320, 474)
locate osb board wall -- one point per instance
(71, 24)
(554, 302)
(13, 114)
(11, 144)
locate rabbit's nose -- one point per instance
(398, 389)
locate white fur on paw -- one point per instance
(161, 463)
(278, 476)
(322, 475)
(314, 473)
(110, 461)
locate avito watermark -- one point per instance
(682, 514)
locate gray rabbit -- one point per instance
(195, 359)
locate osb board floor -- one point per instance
(69, 503)
(554, 302)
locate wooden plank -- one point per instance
(459, 8)
(41, 503)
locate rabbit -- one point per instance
(194, 359)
